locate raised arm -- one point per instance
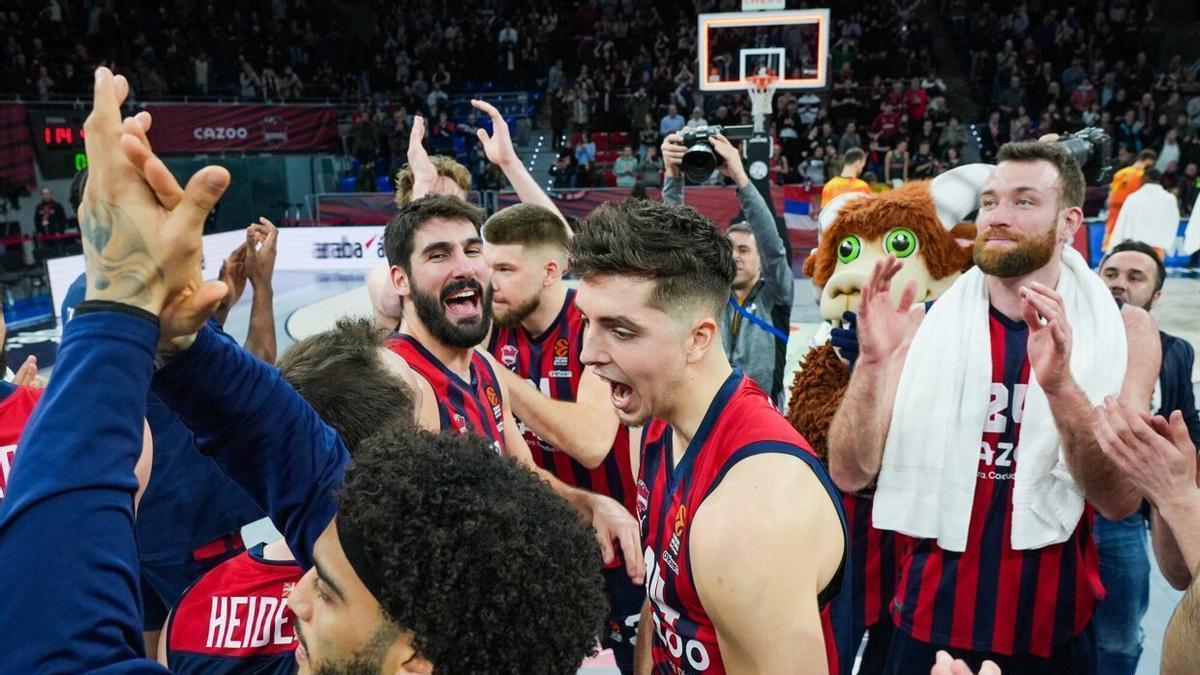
(1181, 649)
(262, 239)
(759, 577)
(672, 151)
(860, 426)
(584, 429)
(67, 522)
(500, 151)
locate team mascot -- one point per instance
(919, 223)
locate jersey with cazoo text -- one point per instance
(741, 422)
(15, 411)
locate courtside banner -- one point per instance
(201, 127)
(300, 249)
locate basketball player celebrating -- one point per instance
(745, 544)
(987, 460)
(561, 406)
(402, 559)
(438, 267)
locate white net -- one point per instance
(762, 92)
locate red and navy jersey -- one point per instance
(877, 556)
(15, 410)
(741, 422)
(551, 362)
(990, 597)
(475, 407)
(236, 618)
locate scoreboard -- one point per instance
(58, 141)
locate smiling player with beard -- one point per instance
(975, 423)
(438, 267)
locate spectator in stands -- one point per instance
(562, 174)
(1188, 188)
(650, 169)
(441, 135)
(49, 216)
(896, 164)
(849, 139)
(953, 137)
(697, 119)
(436, 100)
(558, 117)
(672, 122)
(1129, 131)
(626, 168)
(637, 108)
(648, 136)
(952, 159)
(585, 157)
(924, 162)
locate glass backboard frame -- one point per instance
(819, 17)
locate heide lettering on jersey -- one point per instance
(237, 622)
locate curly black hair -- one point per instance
(685, 253)
(488, 567)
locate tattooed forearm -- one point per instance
(119, 265)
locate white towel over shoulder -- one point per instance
(926, 485)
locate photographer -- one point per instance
(754, 329)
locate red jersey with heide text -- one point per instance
(475, 407)
(741, 422)
(551, 362)
(990, 597)
(236, 618)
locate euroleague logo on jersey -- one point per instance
(669, 557)
(562, 350)
(508, 356)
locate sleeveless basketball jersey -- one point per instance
(741, 422)
(476, 407)
(551, 362)
(235, 618)
(15, 410)
(877, 556)
(990, 597)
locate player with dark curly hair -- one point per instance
(468, 551)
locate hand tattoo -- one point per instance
(119, 265)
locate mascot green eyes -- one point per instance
(900, 242)
(849, 248)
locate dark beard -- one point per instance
(1030, 255)
(432, 312)
(520, 313)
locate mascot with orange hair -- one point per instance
(918, 223)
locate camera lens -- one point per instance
(698, 163)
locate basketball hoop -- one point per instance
(762, 90)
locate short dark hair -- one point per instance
(1071, 185)
(402, 228)
(1145, 249)
(527, 225)
(1152, 175)
(344, 378)
(853, 155)
(689, 257)
(476, 554)
(1147, 154)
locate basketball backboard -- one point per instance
(791, 44)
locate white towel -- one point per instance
(1191, 239)
(926, 485)
(1151, 216)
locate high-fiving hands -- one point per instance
(141, 230)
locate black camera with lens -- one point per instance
(1093, 149)
(700, 160)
